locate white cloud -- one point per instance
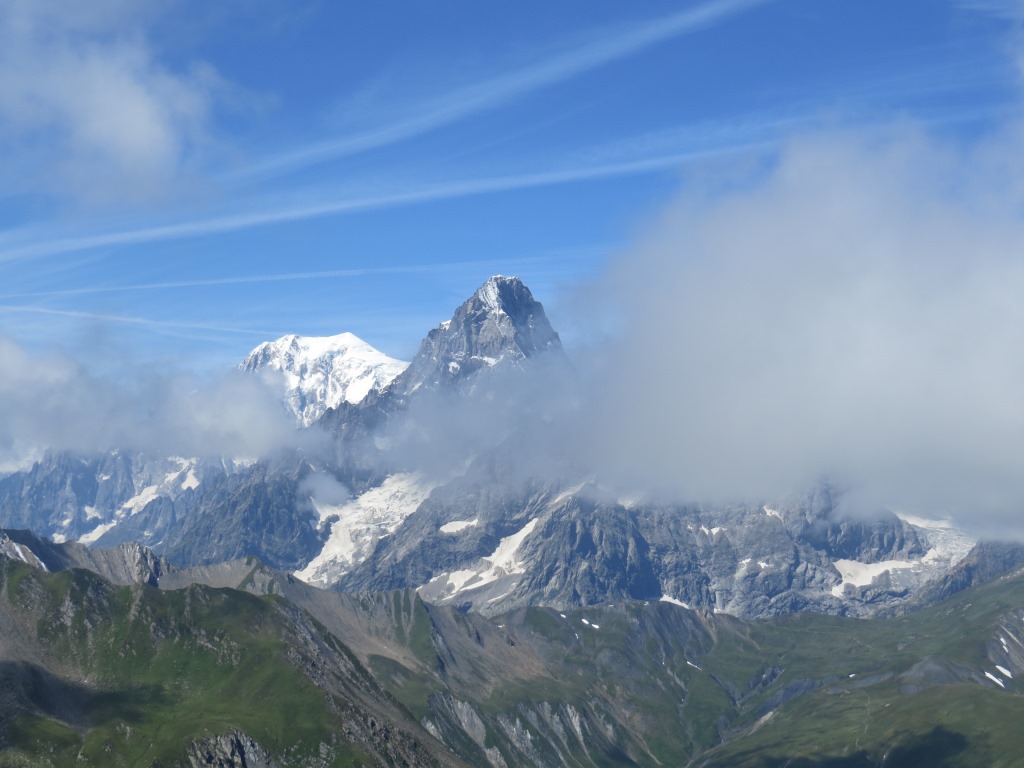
(50, 401)
(1006, 9)
(501, 89)
(854, 312)
(338, 205)
(87, 109)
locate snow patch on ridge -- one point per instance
(458, 525)
(93, 536)
(674, 601)
(995, 679)
(138, 502)
(166, 477)
(862, 574)
(358, 524)
(947, 547)
(488, 294)
(499, 564)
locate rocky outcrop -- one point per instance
(232, 750)
(128, 563)
(492, 334)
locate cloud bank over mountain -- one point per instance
(851, 312)
(54, 402)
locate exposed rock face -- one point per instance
(56, 495)
(490, 541)
(499, 325)
(235, 510)
(16, 550)
(258, 510)
(128, 563)
(73, 497)
(988, 560)
(232, 750)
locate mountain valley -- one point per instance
(147, 668)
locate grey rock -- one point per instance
(500, 324)
(231, 750)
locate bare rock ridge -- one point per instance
(500, 323)
(232, 750)
(128, 563)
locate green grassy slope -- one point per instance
(655, 684)
(905, 691)
(102, 675)
(93, 674)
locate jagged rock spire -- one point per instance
(501, 323)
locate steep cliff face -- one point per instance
(257, 510)
(74, 497)
(500, 325)
(500, 329)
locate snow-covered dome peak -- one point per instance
(321, 372)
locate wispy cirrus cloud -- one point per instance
(499, 90)
(282, 277)
(344, 205)
(1006, 9)
(104, 317)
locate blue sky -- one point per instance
(181, 183)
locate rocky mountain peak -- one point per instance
(500, 323)
(499, 291)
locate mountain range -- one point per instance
(484, 591)
(445, 478)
